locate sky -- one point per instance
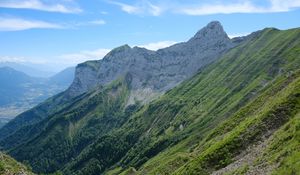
(62, 33)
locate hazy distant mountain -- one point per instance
(63, 78)
(30, 70)
(19, 91)
(14, 85)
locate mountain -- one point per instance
(9, 166)
(3, 121)
(64, 77)
(30, 70)
(153, 72)
(237, 113)
(15, 83)
(21, 92)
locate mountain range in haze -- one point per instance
(210, 105)
(32, 70)
(19, 91)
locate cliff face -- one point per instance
(153, 72)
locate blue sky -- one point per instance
(61, 33)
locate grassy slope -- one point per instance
(95, 133)
(62, 136)
(20, 124)
(245, 128)
(183, 117)
(9, 166)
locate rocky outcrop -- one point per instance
(155, 71)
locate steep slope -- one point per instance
(152, 72)
(64, 134)
(190, 111)
(161, 136)
(97, 132)
(254, 125)
(8, 166)
(269, 71)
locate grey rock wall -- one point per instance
(156, 71)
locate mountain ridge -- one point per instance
(154, 71)
(199, 126)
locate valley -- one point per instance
(20, 92)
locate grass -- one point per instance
(9, 166)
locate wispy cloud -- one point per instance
(40, 5)
(143, 7)
(237, 35)
(283, 6)
(126, 7)
(22, 60)
(17, 24)
(104, 12)
(245, 6)
(4, 59)
(61, 61)
(97, 22)
(75, 58)
(158, 45)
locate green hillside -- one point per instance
(184, 117)
(8, 166)
(246, 103)
(57, 139)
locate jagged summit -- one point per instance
(154, 71)
(213, 30)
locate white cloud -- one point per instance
(245, 6)
(143, 7)
(16, 24)
(125, 7)
(209, 9)
(104, 12)
(282, 6)
(4, 59)
(97, 22)
(39, 5)
(237, 35)
(75, 58)
(158, 45)
(22, 60)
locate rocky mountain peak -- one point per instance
(213, 29)
(154, 72)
